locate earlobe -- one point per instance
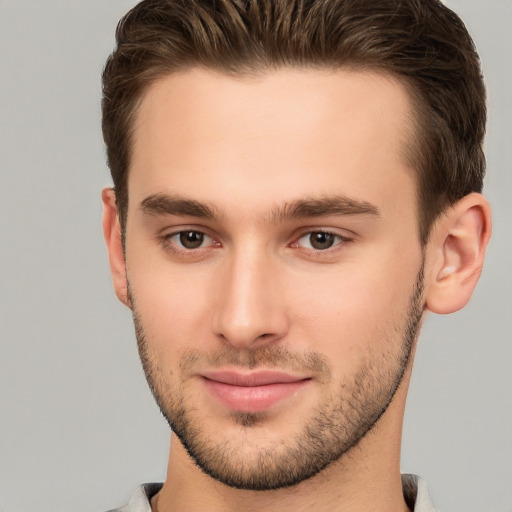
(458, 243)
(113, 239)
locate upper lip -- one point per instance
(255, 378)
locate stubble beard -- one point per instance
(336, 426)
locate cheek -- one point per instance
(357, 310)
(173, 305)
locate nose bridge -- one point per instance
(249, 310)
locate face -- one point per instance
(273, 264)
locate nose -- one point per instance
(250, 310)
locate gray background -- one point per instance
(78, 427)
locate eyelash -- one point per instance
(168, 244)
(338, 240)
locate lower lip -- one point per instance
(252, 398)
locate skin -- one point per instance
(248, 148)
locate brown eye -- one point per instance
(321, 241)
(191, 239)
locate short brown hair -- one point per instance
(421, 42)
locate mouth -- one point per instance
(252, 392)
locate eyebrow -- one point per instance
(163, 204)
(323, 206)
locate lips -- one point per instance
(252, 392)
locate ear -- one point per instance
(457, 249)
(112, 234)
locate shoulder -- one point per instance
(140, 499)
(416, 494)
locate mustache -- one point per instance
(271, 356)
(265, 356)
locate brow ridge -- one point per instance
(323, 206)
(164, 204)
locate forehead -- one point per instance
(273, 136)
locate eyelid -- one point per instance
(345, 236)
(166, 235)
(339, 245)
(169, 231)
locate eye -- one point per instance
(189, 239)
(320, 240)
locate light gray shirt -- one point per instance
(415, 490)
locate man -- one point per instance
(296, 184)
